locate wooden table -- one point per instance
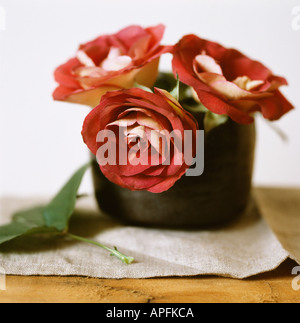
(272, 287)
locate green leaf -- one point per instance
(212, 120)
(175, 91)
(32, 217)
(190, 100)
(165, 81)
(54, 217)
(59, 211)
(139, 86)
(26, 222)
(13, 230)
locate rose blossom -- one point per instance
(227, 82)
(139, 116)
(111, 62)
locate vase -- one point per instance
(216, 197)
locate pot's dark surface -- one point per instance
(216, 197)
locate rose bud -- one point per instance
(146, 131)
(111, 62)
(227, 82)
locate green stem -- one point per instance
(114, 252)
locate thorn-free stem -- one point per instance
(114, 252)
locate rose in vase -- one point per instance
(141, 117)
(227, 82)
(111, 62)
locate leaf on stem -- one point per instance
(53, 218)
(59, 211)
(27, 222)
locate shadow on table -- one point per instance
(88, 222)
(84, 222)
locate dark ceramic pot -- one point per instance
(214, 198)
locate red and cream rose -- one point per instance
(138, 117)
(227, 82)
(111, 62)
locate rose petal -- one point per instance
(64, 74)
(98, 49)
(218, 106)
(235, 64)
(175, 122)
(138, 131)
(147, 75)
(138, 182)
(115, 61)
(139, 49)
(273, 83)
(91, 129)
(163, 122)
(155, 171)
(87, 97)
(274, 107)
(207, 64)
(84, 59)
(230, 90)
(123, 123)
(167, 183)
(93, 72)
(247, 106)
(245, 83)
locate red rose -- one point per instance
(227, 82)
(137, 117)
(111, 62)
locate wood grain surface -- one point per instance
(273, 287)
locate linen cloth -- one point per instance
(259, 240)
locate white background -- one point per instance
(40, 140)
